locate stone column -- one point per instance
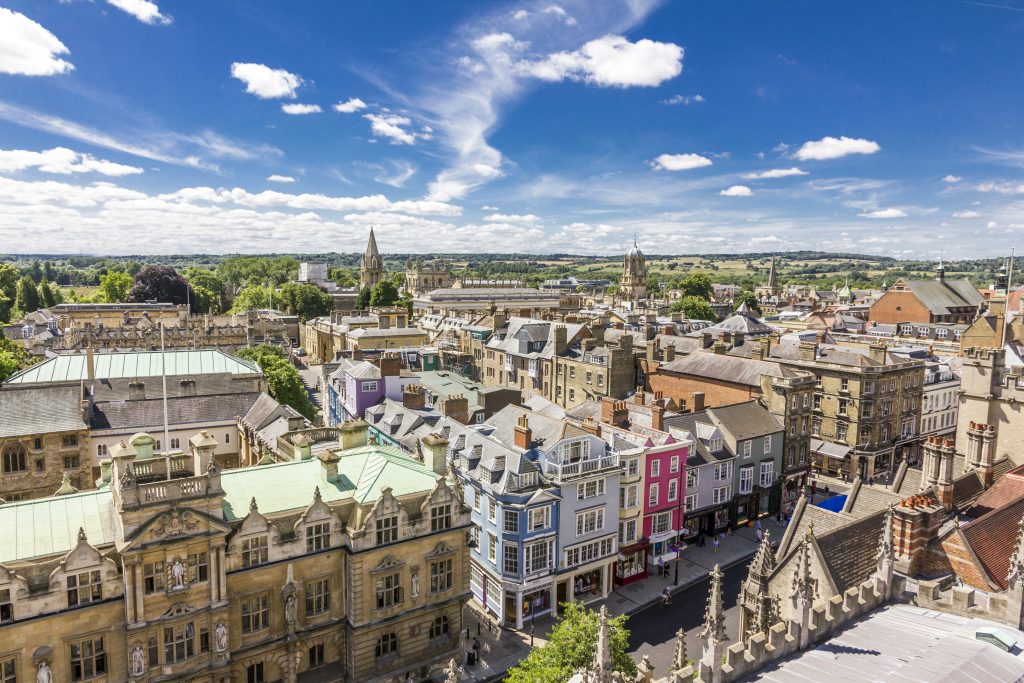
(214, 575)
(222, 574)
(713, 634)
(130, 608)
(519, 610)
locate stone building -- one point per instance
(521, 353)
(633, 286)
(312, 569)
(592, 369)
(371, 265)
(992, 393)
(421, 277)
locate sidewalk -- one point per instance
(502, 650)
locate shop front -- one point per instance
(661, 545)
(691, 527)
(588, 582)
(792, 487)
(631, 564)
(831, 459)
(529, 601)
(487, 590)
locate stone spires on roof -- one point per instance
(602, 672)
(886, 545)
(679, 656)
(66, 488)
(763, 563)
(803, 582)
(714, 613)
(773, 278)
(1016, 573)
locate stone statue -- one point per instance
(177, 574)
(138, 662)
(415, 585)
(220, 636)
(289, 612)
(43, 674)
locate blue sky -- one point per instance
(137, 126)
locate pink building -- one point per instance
(664, 486)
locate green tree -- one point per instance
(116, 286)
(306, 301)
(208, 280)
(745, 296)
(694, 308)
(9, 281)
(13, 358)
(283, 379)
(205, 301)
(343, 277)
(571, 647)
(363, 299)
(252, 297)
(384, 294)
(696, 284)
(251, 270)
(27, 299)
(49, 294)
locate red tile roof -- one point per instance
(1004, 491)
(993, 538)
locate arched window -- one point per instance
(387, 644)
(439, 627)
(15, 458)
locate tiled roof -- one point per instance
(733, 369)
(49, 526)
(993, 538)
(72, 367)
(263, 411)
(546, 431)
(137, 415)
(40, 410)
(966, 488)
(940, 296)
(1004, 491)
(745, 420)
(850, 550)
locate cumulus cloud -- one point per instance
(966, 214)
(275, 178)
(680, 162)
(684, 100)
(511, 218)
(952, 179)
(28, 49)
(884, 213)
(300, 109)
(834, 148)
(266, 83)
(557, 11)
(392, 126)
(61, 160)
(1002, 188)
(349, 106)
(612, 61)
(145, 11)
(775, 173)
(736, 191)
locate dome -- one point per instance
(634, 251)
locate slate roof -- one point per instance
(514, 330)
(72, 367)
(850, 550)
(402, 424)
(698, 425)
(732, 369)
(941, 296)
(993, 538)
(263, 411)
(49, 526)
(546, 431)
(136, 415)
(387, 332)
(39, 410)
(745, 420)
(747, 324)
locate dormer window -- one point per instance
(84, 588)
(387, 529)
(715, 445)
(254, 551)
(440, 517)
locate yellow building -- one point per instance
(352, 563)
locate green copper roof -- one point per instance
(49, 526)
(129, 365)
(362, 473)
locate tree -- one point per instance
(162, 284)
(49, 293)
(115, 287)
(251, 298)
(208, 280)
(283, 379)
(343, 277)
(745, 296)
(696, 284)
(571, 647)
(9, 281)
(306, 301)
(384, 294)
(694, 308)
(363, 299)
(205, 301)
(27, 299)
(13, 358)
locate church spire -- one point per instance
(371, 265)
(714, 613)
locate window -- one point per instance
(721, 495)
(588, 552)
(674, 464)
(572, 394)
(540, 518)
(492, 511)
(767, 444)
(254, 673)
(254, 551)
(627, 531)
(153, 652)
(652, 495)
(88, 659)
(600, 380)
(227, 437)
(817, 402)
(539, 556)
(441, 517)
(389, 591)
(844, 384)
(746, 479)
(255, 613)
(101, 450)
(590, 489)
(723, 471)
(655, 468)
(661, 522)
(179, 643)
(841, 432)
(673, 490)
(632, 467)
(492, 548)
(590, 377)
(690, 503)
(767, 473)
(175, 443)
(439, 627)
(316, 656)
(69, 441)
(628, 496)
(816, 426)
(6, 609)
(153, 577)
(441, 576)
(387, 644)
(369, 386)
(71, 462)
(14, 458)
(747, 449)
(318, 536)
(511, 521)
(204, 639)
(511, 553)
(37, 444)
(869, 387)
(84, 588)
(692, 476)
(806, 396)
(842, 405)
(589, 521)
(387, 529)
(318, 596)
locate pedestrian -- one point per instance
(778, 518)
(661, 566)
(716, 544)
(827, 491)
(760, 535)
(757, 525)
(476, 648)
(666, 597)
(668, 569)
(408, 677)
(701, 540)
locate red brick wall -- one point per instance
(680, 388)
(912, 310)
(961, 561)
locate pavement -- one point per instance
(652, 628)
(310, 375)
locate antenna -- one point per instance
(163, 377)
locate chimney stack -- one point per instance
(523, 434)
(668, 352)
(435, 453)
(697, 404)
(877, 353)
(413, 397)
(658, 416)
(457, 408)
(561, 339)
(136, 391)
(352, 434)
(639, 397)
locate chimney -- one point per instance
(916, 521)
(296, 422)
(658, 416)
(383, 322)
(457, 408)
(725, 337)
(639, 397)
(808, 350)
(352, 434)
(90, 364)
(390, 364)
(413, 397)
(590, 427)
(697, 404)
(705, 339)
(877, 353)
(945, 490)
(561, 339)
(720, 348)
(974, 438)
(652, 347)
(136, 391)
(757, 351)
(738, 338)
(523, 434)
(435, 453)
(186, 387)
(329, 462)
(988, 454)
(820, 337)
(500, 318)
(626, 343)
(668, 353)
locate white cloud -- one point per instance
(485, 207)
(684, 100)
(145, 11)
(262, 81)
(300, 109)
(680, 162)
(28, 49)
(520, 14)
(966, 214)
(952, 179)
(775, 173)
(511, 218)
(612, 61)
(401, 172)
(349, 106)
(884, 213)
(275, 178)
(560, 13)
(392, 126)
(736, 191)
(61, 160)
(834, 148)
(1002, 188)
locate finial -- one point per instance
(252, 505)
(1016, 573)
(679, 659)
(81, 535)
(316, 494)
(714, 613)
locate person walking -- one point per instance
(760, 535)
(778, 518)
(716, 544)
(701, 540)
(661, 566)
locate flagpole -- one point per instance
(163, 376)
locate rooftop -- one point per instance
(39, 410)
(132, 364)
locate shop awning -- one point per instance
(828, 449)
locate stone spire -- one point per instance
(602, 671)
(886, 544)
(758, 609)
(679, 658)
(1015, 577)
(714, 614)
(371, 266)
(773, 278)
(451, 673)
(803, 589)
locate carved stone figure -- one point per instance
(177, 574)
(43, 673)
(220, 637)
(138, 661)
(415, 585)
(289, 612)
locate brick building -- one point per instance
(928, 301)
